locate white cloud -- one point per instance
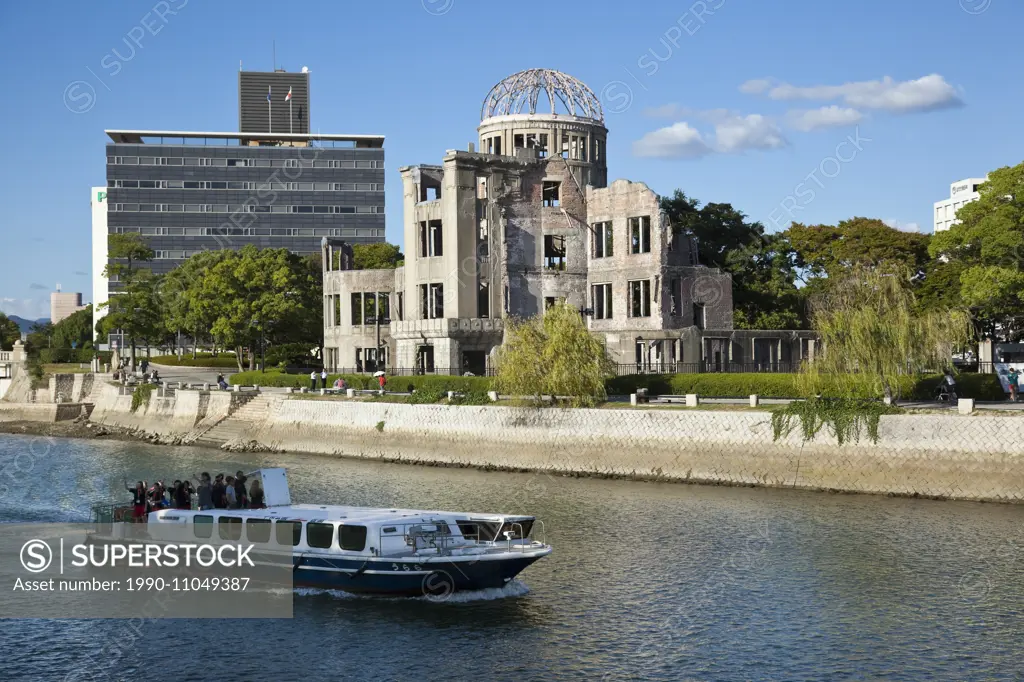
(832, 116)
(753, 131)
(29, 308)
(677, 141)
(924, 94)
(732, 134)
(902, 227)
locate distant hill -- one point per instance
(26, 325)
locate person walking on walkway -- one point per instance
(1013, 378)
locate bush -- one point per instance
(201, 360)
(741, 385)
(432, 383)
(57, 356)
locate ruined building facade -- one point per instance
(527, 221)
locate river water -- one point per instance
(647, 581)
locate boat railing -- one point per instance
(445, 541)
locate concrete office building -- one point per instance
(64, 305)
(528, 221)
(187, 192)
(960, 193)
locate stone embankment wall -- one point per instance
(182, 416)
(952, 456)
(960, 457)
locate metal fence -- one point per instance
(623, 369)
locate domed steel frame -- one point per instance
(518, 94)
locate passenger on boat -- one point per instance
(138, 499)
(241, 497)
(229, 491)
(256, 495)
(182, 495)
(204, 492)
(219, 496)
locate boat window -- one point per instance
(202, 526)
(229, 528)
(519, 530)
(288, 533)
(257, 530)
(319, 535)
(481, 531)
(352, 538)
(390, 529)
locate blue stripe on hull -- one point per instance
(435, 579)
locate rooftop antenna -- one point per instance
(239, 64)
(275, 56)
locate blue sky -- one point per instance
(734, 101)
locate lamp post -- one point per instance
(640, 356)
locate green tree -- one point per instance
(988, 247)
(9, 332)
(303, 320)
(765, 295)
(554, 354)
(250, 290)
(376, 256)
(75, 330)
(826, 250)
(185, 308)
(133, 308)
(873, 330)
(40, 335)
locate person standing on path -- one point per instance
(382, 380)
(1013, 378)
(312, 380)
(323, 378)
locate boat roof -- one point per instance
(361, 515)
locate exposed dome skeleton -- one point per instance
(519, 94)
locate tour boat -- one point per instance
(358, 549)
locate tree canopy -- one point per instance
(827, 250)
(987, 248)
(75, 330)
(376, 256)
(765, 295)
(9, 332)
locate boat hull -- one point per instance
(437, 578)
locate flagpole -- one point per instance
(270, 115)
(290, 119)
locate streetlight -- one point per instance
(640, 353)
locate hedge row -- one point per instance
(432, 382)
(739, 385)
(201, 360)
(53, 356)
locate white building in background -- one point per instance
(63, 305)
(98, 202)
(960, 193)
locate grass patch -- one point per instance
(379, 427)
(65, 368)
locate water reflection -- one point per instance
(647, 581)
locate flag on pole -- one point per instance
(288, 97)
(268, 93)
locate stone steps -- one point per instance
(237, 425)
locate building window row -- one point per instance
(239, 208)
(431, 243)
(239, 163)
(431, 301)
(251, 231)
(369, 308)
(640, 234)
(603, 240)
(261, 186)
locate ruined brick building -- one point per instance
(528, 220)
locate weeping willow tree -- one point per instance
(873, 333)
(553, 355)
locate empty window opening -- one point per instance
(601, 301)
(431, 301)
(602, 236)
(699, 316)
(565, 145)
(554, 252)
(550, 193)
(474, 362)
(425, 359)
(506, 300)
(640, 298)
(431, 242)
(552, 301)
(675, 294)
(517, 141)
(483, 301)
(640, 234)
(357, 308)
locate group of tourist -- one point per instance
(222, 492)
